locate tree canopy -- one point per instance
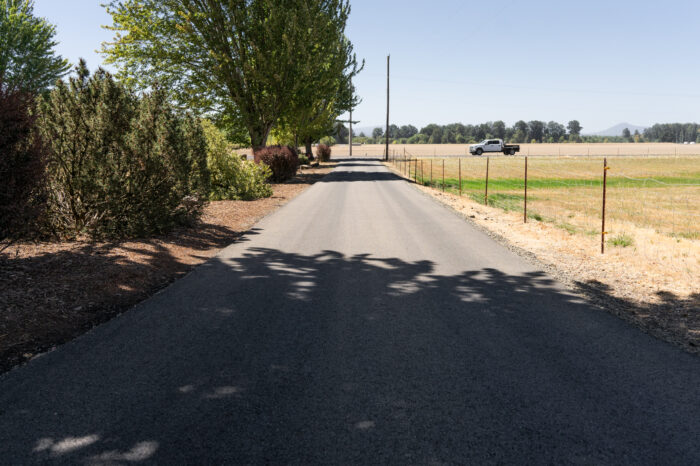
(27, 58)
(255, 62)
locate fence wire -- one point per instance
(649, 200)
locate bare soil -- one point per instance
(52, 292)
(643, 288)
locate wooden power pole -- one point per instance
(350, 135)
(386, 154)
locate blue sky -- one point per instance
(601, 62)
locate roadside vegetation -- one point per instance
(140, 153)
(232, 177)
(112, 186)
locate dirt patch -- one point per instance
(52, 292)
(642, 287)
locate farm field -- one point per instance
(602, 149)
(657, 193)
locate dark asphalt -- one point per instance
(363, 323)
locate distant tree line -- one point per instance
(458, 133)
(673, 132)
(534, 131)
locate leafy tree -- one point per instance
(498, 129)
(574, 128)
(429, 129)
(407, 131)
(247, 59)
(327, 89)
(521, 126)
(394, 132)
(27, 59)
(377, 133)
(535, 130)
(436, 138)
(520, 136)
(418, 138)
(626, 133)
(555, 131)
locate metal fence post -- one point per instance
(605, 183)
(460, 176)
(525, 206)
(486, 192)
(443, 175)
(431, 173)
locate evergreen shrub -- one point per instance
(119, 165)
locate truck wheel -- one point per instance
(479, 151)
(511, 152)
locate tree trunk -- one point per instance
(309, 151)
(258, 136)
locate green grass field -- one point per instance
(659, 193)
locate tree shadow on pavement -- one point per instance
(276, 357)
(671, 317)
(343, 176)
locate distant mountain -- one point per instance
(617, 130)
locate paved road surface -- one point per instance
(362, 323)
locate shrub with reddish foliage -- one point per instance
(282, 160)
(22, 165)
(323, 151)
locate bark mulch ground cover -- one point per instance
(52, 292)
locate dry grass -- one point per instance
(657, 193)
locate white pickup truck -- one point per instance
(493, 145)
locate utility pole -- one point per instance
(386, 154)
(350, 121)
(350, 147)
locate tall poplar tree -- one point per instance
(247, 59)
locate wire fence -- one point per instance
(625, 201)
